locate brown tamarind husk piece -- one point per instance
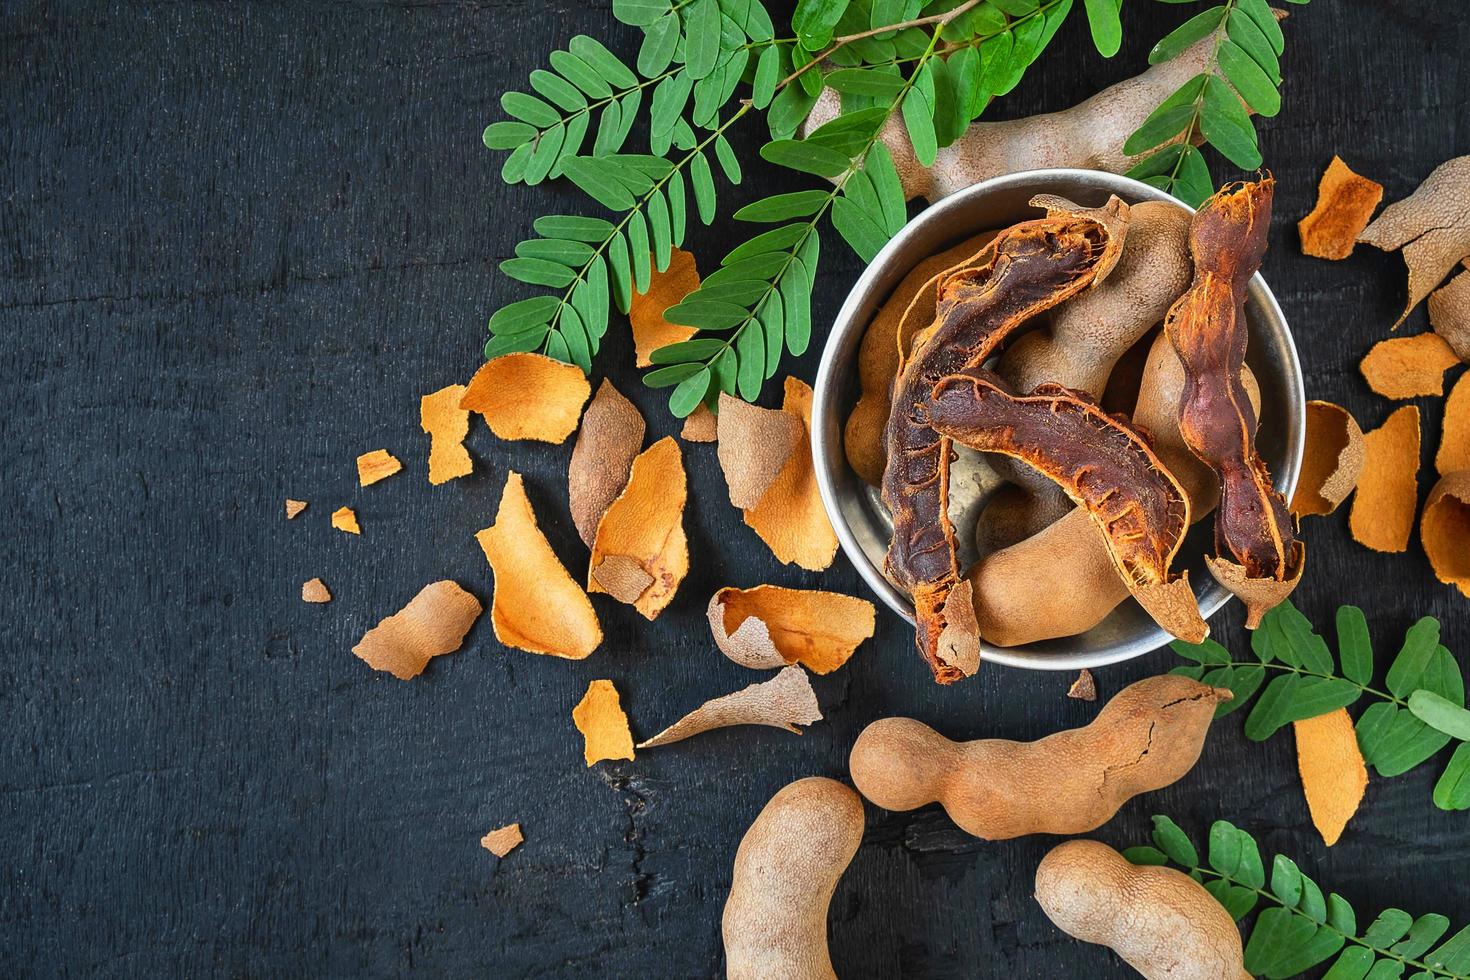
(599, 716)
(790, 517)
(1102, 463)
(1445, 530)
(700, 426)
(786, 869)
(1160, 921)
(1408, 367)
(1345, 202)
(1260, 595)
(784, 701)
(1382, 517)
(1084, 688)
(1207, 328)
(1431, 227)
(878, 358)
(1331, 462)
(432, 624)
(1147, 736)
(754, 444)
(1449, 313)
(602, 457)
(1030, 268)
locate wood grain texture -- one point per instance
(240, 241)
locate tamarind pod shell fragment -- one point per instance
(786, 869)
(1146, 737)
(1207, 328)
(1030, 268)
(1101, 462)
(1162, 922)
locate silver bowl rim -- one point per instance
(825, 403)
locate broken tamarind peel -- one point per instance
(1258, 556)
(1027, 269)
(1101, 462)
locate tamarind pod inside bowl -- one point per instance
(863, 524)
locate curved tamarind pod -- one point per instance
(786, 869)
(1162, 922)
(1145, 738)
(1028, 269)
(1071, 556)
(1208, 330)
(1101, 462)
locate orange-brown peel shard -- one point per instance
(376, 465)
(640, 539)
(1431, 227)
(1345, 203)
(1445, 530)
(294, 507)
(536, 606)
(446, 425)
(784, 701)
(1331, 461)
(1101, 462)
(599, 717)
(1258, 555)
(1334, 776)
(790, 517)
(315, 590)
(602, 458)
(700, 426)
(345, 519)
(770, 626)
(433, 623)
(1408, 367)
(503, 840)
(1026, 270)
(528, 396)
(646, 313)
(1454, 439)
(1382, 517)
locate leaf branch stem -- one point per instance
(1388, 954)
(1384, 695)
(846, 39)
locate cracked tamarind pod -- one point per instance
(1145, 738)
(1103, 463)
(1207, 327)
(1028, 269)
(786, 869)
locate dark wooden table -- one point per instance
(240, 241)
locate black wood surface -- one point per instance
(240, 241)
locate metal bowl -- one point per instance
(864, 525)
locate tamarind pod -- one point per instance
(1101, 462)
(1162, 922)
(786, 869)
(1146, 737)
(1029, 268)
(1207, 328)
